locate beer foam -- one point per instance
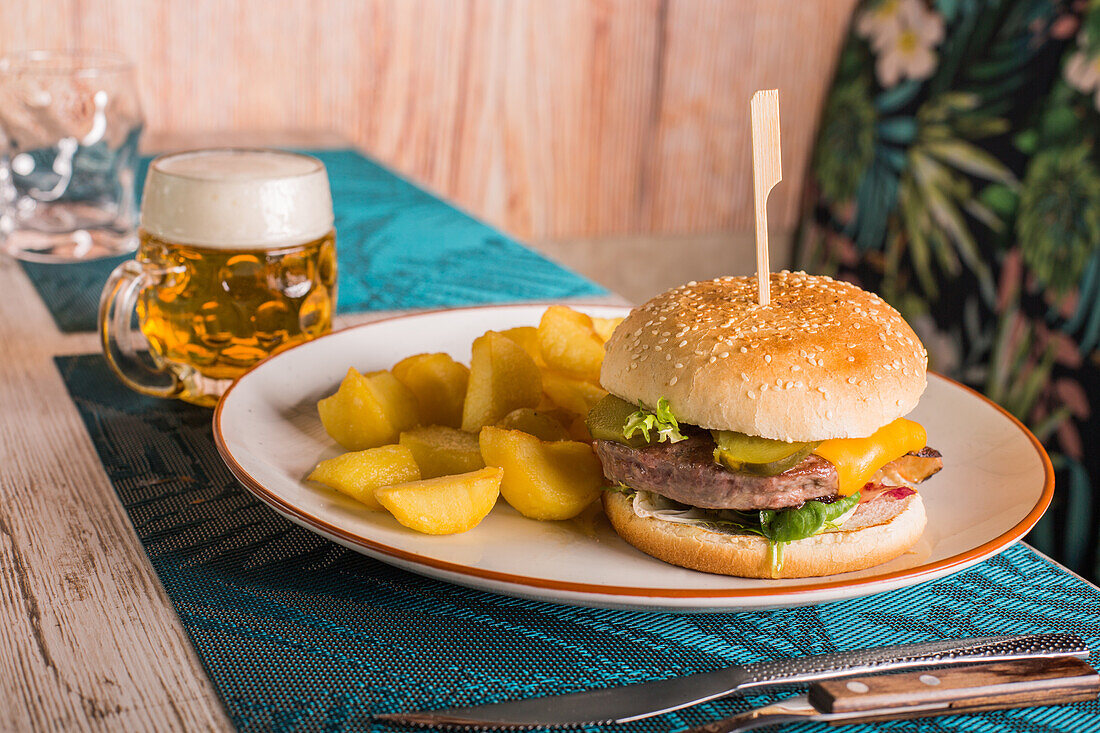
(237, 199)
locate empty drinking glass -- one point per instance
(69, 128)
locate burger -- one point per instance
(764, 441)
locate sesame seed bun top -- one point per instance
(825, 359)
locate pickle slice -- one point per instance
(756, 455)
(606, 419)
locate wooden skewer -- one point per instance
(767, 170)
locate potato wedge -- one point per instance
(528, 339)
(533, 422)
(575, 396)
(543, 480)
(359, 473)
(569, 343)
(444, 505)
(503, 377)
(368, 411)
(399, 401)
(439, 383)
(578, 430)
(443, 451)
(605, 326)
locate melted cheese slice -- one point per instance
(858, 459)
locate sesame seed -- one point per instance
(673, 381)
(712, 359)
(752, 395)
(767, 358)
(744, 350)
(851, 358)
(724, 354)
(683, 343)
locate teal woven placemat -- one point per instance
(398, 247)
(298, 633)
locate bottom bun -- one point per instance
(879, 531)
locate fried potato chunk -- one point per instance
(543, 480)
(569, 343)
(606, 326)
(575, 396)
(443, 451)
(533, 422)
(528, 339)
(578, 430)
(368, 411)
(439, 383)
(359, 473)
(503, 377)
(444, 505)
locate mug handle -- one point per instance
(117, 336)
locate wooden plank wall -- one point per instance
(551, 118)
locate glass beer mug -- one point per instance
(236, 261)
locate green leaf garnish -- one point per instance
(776, 526)
(661, 421)
(789, 525)
(621, 488)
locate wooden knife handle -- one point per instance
(994, 686)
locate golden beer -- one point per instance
(221, 311)
(237, 261)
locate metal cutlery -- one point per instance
(960, 690)
(635, 702)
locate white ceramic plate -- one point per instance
(996, 483)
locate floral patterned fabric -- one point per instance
(957, 173)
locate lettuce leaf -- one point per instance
(661, 420)
(813, 517)
(777, 526)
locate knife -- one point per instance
(635, 702)
(959, 690)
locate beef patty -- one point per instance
(686, 472)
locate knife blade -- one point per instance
(975, 688)
(635, 702)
